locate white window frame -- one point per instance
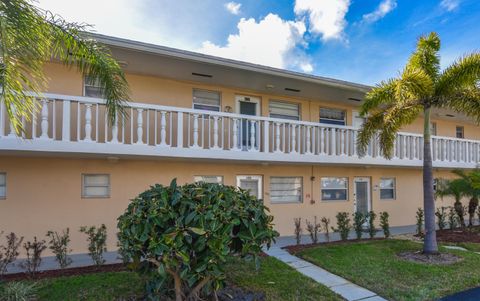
(337, 120)
(463, 131)
(199, 178)
(252, 177)
(85, 86)
(209, 91)
(394, 188)
(286, 116)
(4, 185)
(322, 189)
(433, 128)
(85, 196)
(290, 201)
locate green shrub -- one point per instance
(313, 229)
(419, 216)
(343, 225)
(180, 236)
(372, 231)
(9, 252)
(34, 250)
(59, 247)
(18, 291)
(441, 218)
(298, 229)
(452, 218)
(384, 224)
(358, 220)
(326, 226)
(97, 242)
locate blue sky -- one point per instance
(362, 41)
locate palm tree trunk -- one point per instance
(430, 243)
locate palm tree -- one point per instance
(472, 180)
(457, 188)
(419, 88)
(30, 37)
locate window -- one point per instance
(334, 189)
(433, 129)
(91, 88)
(206, 100)
(286, 189)
(284, 110)
(3, 185)
(387, 188)
(460, 132)
(332, 116)
(252, 184)
(95, 186)
(209, 179)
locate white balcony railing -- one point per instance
(72, 124)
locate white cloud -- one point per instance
(326, 17)
(450, 5)
(383, 8)
(233, 7)
(272, 42)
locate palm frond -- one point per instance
(414, 83)
(464, 73)
(425, 57)
(466, 102)
(382, 94)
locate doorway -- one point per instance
(362, 194)
(247, 105)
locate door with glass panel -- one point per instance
(361, 195)
(247, 105)
(253, 184)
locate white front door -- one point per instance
(247, 105)
(361, 194)
(357, 120)
(253, 184)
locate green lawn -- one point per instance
(472, 246)
(374, 265)
(276, 279)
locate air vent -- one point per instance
(449, 115)
(292, 90)
(202, 74)
(354, 99)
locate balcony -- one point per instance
(78, 126)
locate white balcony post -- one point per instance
(65, 121)
(179, 130)
(294, 139)
(139, 126)
(44, 122)
(2, 117)
(235, 135)
(266, 136)
(277, 137)
(114, 130)
(322, 141)
(195, 131)
(13, 130)
(215, 132)
(252, 135)
(333, 141)
(354, 142)
(88, 123)
(308, 143)
(342, 142)
(163, 128)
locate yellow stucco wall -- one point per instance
(44, 193)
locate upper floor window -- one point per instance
(332, 116)
(209, 179)
(387, 188)
(284, 110)
(286, 189)
(3, 185)
(460, 132)
(334, 189)
(433, 128)
(95, 186)
(91, 87)
(206, 100)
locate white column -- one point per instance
(88, 123)
(308, 149)
(333, 141)
(65, 121)
(195, 131)
(252, 135)
(266, 136)
(179, 130)
(163, 128)
(2, 117)
(13, 130)
(294, 139)
(235, 135)
(139, 126)
(354, 142)
(277, 137)
(115, 130)
(342, 142)
(322, 141)
(215, 133)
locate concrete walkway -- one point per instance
(339, 285)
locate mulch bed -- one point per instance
(117, 267)
(460, 235)
(293, 249)
(419, 257)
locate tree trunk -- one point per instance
(430, 243)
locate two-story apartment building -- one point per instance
(286, 136)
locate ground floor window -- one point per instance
(95, 185)
(209, 179)
(387, 188)
(334, 189)
(286, 189)
(253, 184)
(3, 185)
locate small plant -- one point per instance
(9, 252)
(384, 224)
(452, 218)
(419, 217)
(371, 224)
(478, 213)
(298, 229)
(343, 225)
(326, 225)
(18, 291)
(34, 255)
(358, 220)
(97, 242)
(59, 246)
(313, 229)
(441, 218)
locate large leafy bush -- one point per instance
(181, 236)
